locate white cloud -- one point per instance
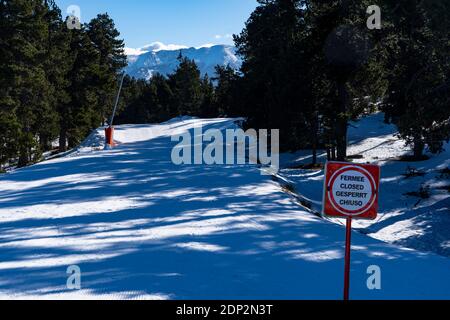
(159, 46)
(206, 45)
(154, 47)
(134, 52)
(225, 36)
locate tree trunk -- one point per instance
(341, 123)
(23, 158)
(315, 139)
(44, 141)
(62, 140)
(418, 149)
(314, 155)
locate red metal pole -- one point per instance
(109, 135)
(348, 245)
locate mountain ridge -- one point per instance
(145, 62)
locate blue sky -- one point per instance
(181, 22)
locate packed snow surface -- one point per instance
(140, 227)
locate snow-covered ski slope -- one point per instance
(140, 227)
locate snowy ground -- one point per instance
(404, 220)
(140, 227)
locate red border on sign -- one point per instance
(372, 184)
(332, 209)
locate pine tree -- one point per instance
(27, 89)
(130, 103)
(340, 28)
(8, 137)
(208, 106)
(53, 81)
(269, 47)
(80, 115)
(227, 94)
(9, 133)
(185, 84)
(57, 67)
(162, 98)
(105, 37)
(417, 62)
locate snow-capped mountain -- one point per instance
(144, 62)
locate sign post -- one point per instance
(348, 244)
(350, 192)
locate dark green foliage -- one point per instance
(228, 92)
(57, 66)
(208, 108)
(269, 45)
(26, 89)
(83, 112)
(417, 64)
(186, 85)
(9, 142)
(303, 61)
(161, 98)
(104, 36)
(132, 103)
(54, 82)
(310, 66)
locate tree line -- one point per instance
(56, 83)
(311, 66)
(185, 92)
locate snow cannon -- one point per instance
(109, 132)
(109, 135)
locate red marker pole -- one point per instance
(348, 245)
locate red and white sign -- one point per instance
(351, 190)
